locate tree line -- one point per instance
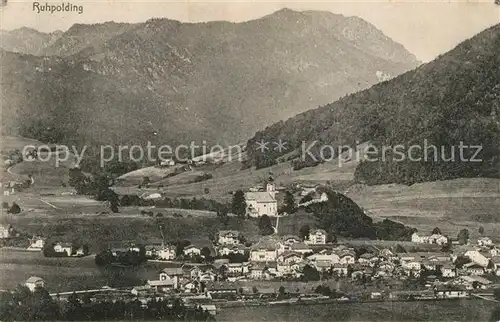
(23, 305)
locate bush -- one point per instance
(204, 177)
(14, 209)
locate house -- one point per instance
(438, 239)
(151, 251)
(496, 265)
(190, 286)
(339, 269)
(117, 251)
(5, 231)
(476, 257)
(228, 237)
(347, 258)
(167, 163)
(33, 282)
(261, 270)
(312, 198)
(472, 282)
(141, 290)
(413, 265)
(238, 269)
(62, 247)
(207, 276)
(421, 256)
(284, 268)
(384, 269)
(432, 239)
(301, 248)
(192, 251)
(166, 252)
(387, 254)
(306, 190)
(37, 243)
(322, 266)
(221, 291)
(473, 269)
(324, 255)
(290, 239)
(448, 270)
(289, 257)
(262, 203)
(257, 270)
(368, 259)
(450, 292)
(265, 250)
(162, 285)
(151, 196)
(173, 274)
(485, 241)
(234, 249)
(316, 236)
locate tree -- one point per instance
(496, 294)
(289, 203)
(5, 205)
(460, 261)
(265, 225)
(223, 270)
(463, 236)
(179, 247)
(222, 215)
(14, 209)
(205, 252)
(436, 231)
(114, 205)
(495, 315)
(304, 232)
(481, 230)
(310, 273)
(238, 204)
(255, 290)
(281, 291)
(400, 249)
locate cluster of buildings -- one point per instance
(437, 239)
(285, 258)
(262, 202)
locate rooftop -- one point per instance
(34, 279)
(259, 196)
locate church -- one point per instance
(260, 203)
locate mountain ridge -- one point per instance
(428, 102)
(215, 81)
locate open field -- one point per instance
(450, 205)
(17, 142)
(66, 274)
(460, 310)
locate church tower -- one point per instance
(271, 187)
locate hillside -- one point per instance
(217, 81)
(453, 99)
(27, 41)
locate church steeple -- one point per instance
(271, 187)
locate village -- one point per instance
(230, 269)
(281, 269)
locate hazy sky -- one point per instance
(425, 28)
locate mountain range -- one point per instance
(172, 82)
(450, 101)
